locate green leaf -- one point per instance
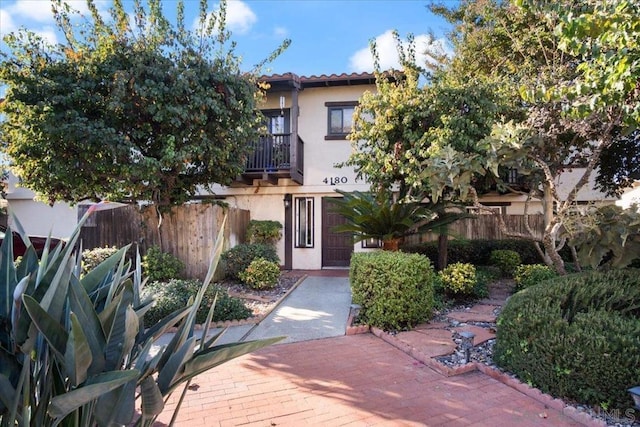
(174, 364)
(78, 354)
(64, 404)
(152, 400)
(49, 327)
(97, 276)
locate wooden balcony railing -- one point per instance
(272, 155)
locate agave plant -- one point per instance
(75, 351)
(378, 216)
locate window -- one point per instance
(497, 207)
(304, 222)
(340, 119)
(371, 242)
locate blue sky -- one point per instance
(328, 36)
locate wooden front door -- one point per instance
(336, 247)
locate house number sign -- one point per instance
(335, 180)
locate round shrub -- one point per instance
(459, 279)
(506, 260)
(174, 294)
(394, 289)
(532, 274)
(161, 266)
(575, 337)
(265, 232)
(238, 258)
(261, 274)
(91, 258)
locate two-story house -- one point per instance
(293, 172)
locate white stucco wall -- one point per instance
(37, 218)
(321, 176)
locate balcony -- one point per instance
(275, 157)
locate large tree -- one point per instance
(137, 109)
(517, 106)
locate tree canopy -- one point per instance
(137, 109)
(524, 91)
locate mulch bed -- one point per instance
(262, 301)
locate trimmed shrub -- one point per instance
(395, 289)
(238, 258)
(265, 232)
(532, 274)
(161, 266)
(575, 337)
(459, 279)
(261, 274)
(506, 260)
(477, 252)
(174, 295)
(91, 258)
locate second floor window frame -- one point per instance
(339, 119)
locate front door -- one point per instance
(336, 247)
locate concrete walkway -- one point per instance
(317, 308)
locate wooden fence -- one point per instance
(484, 227)
(187, 231)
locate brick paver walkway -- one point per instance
(354, 380)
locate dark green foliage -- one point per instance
(395, 289)
(477, 252)
(506, 260)
(261, 274)
(238, 258)
(380, 216)
(458, 279)
(174, 294)
(527, 275)
(143, 109)
(609, 239)
(159, 266)
(576, 337)
(91, 258)
(265, 232)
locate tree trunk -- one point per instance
(443, 244)
(391, 245)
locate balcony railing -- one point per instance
(270, 153)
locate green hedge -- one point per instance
(575, 337)
(477, 252)
(395, 289)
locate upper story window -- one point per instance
(339, 119)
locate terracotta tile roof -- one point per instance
(343, 79)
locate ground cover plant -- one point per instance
(575, 337)
(174, 294)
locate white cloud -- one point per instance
(39, 11)
(8, 25)
(6, 22)
(386, 46)
(48, 34)
(240, 17)
(280, 31)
